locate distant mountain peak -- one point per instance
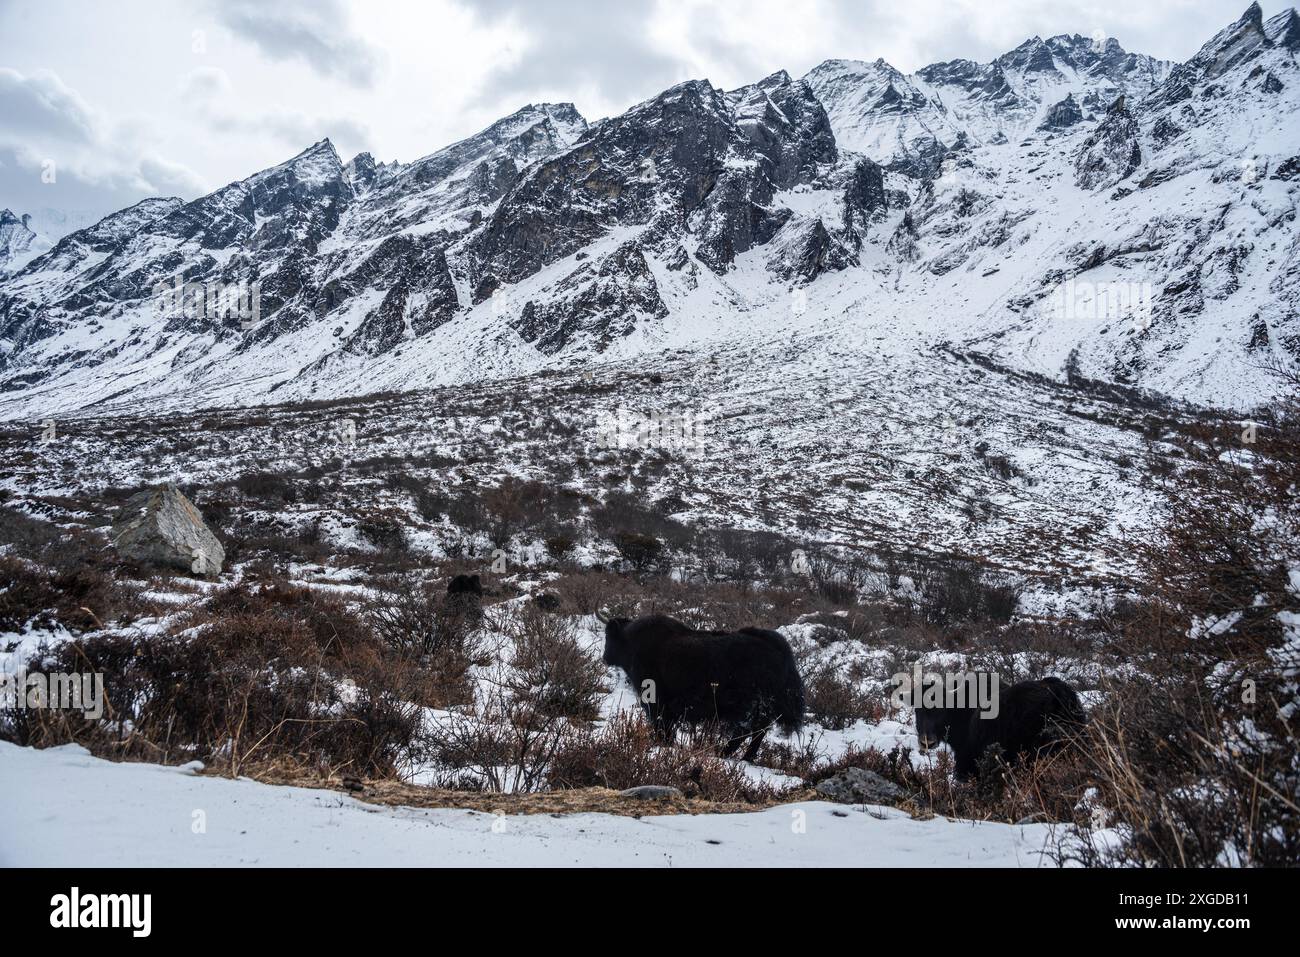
(1284, 29)
(322, 151)
(16, 239)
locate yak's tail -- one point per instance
(791, 707)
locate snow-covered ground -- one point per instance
(62, 807)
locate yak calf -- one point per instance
(743, 682)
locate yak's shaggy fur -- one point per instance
(742, 682)
(1034, 717)
(465, 585)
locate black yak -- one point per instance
(1033, 718)
(464, 600)
(741, 682)
(465, 585)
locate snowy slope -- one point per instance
(75, 810)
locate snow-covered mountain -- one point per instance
(912, 122)
(27, 236)
(16, 239)
(1070, 209)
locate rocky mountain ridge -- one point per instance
(1069, 209)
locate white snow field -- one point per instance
(62, 808)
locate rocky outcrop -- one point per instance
(602, 300)
(787, 127)
(865, 199)
(1062, 115)
(653, 792)
(666, 154)
(807, 249)
(1283, 30)
(162, 527)
(1112, 152)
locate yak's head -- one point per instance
(932, 726)
(617, 644)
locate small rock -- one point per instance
(860, 786)
(651, 792)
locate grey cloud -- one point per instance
(299, 130)
(577, 43)
(314, 31)
(57, 151)
(205, 84)
(41, 105)
(207, 90)
(97, 193)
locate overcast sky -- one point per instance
(115, 101)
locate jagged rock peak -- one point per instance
(1032, 56)
(1234, 44)
(318, 161)
(115, 226)
(1283, 30)
(564, 117)
(16, 237)
(361, 170)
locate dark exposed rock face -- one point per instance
(297, 204)
(1062, 115)
(605, 299)
(787, 127)
(421, 293)
(1284, 30)
(673, 147)
(1288, 169)
(865, 199)
(808, 251)
(926, 160)
(987, 83)
(1112, 152)
(361, 172)
(691, 158)
(1032, 56)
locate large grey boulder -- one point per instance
(860, 786)
(162, 527)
